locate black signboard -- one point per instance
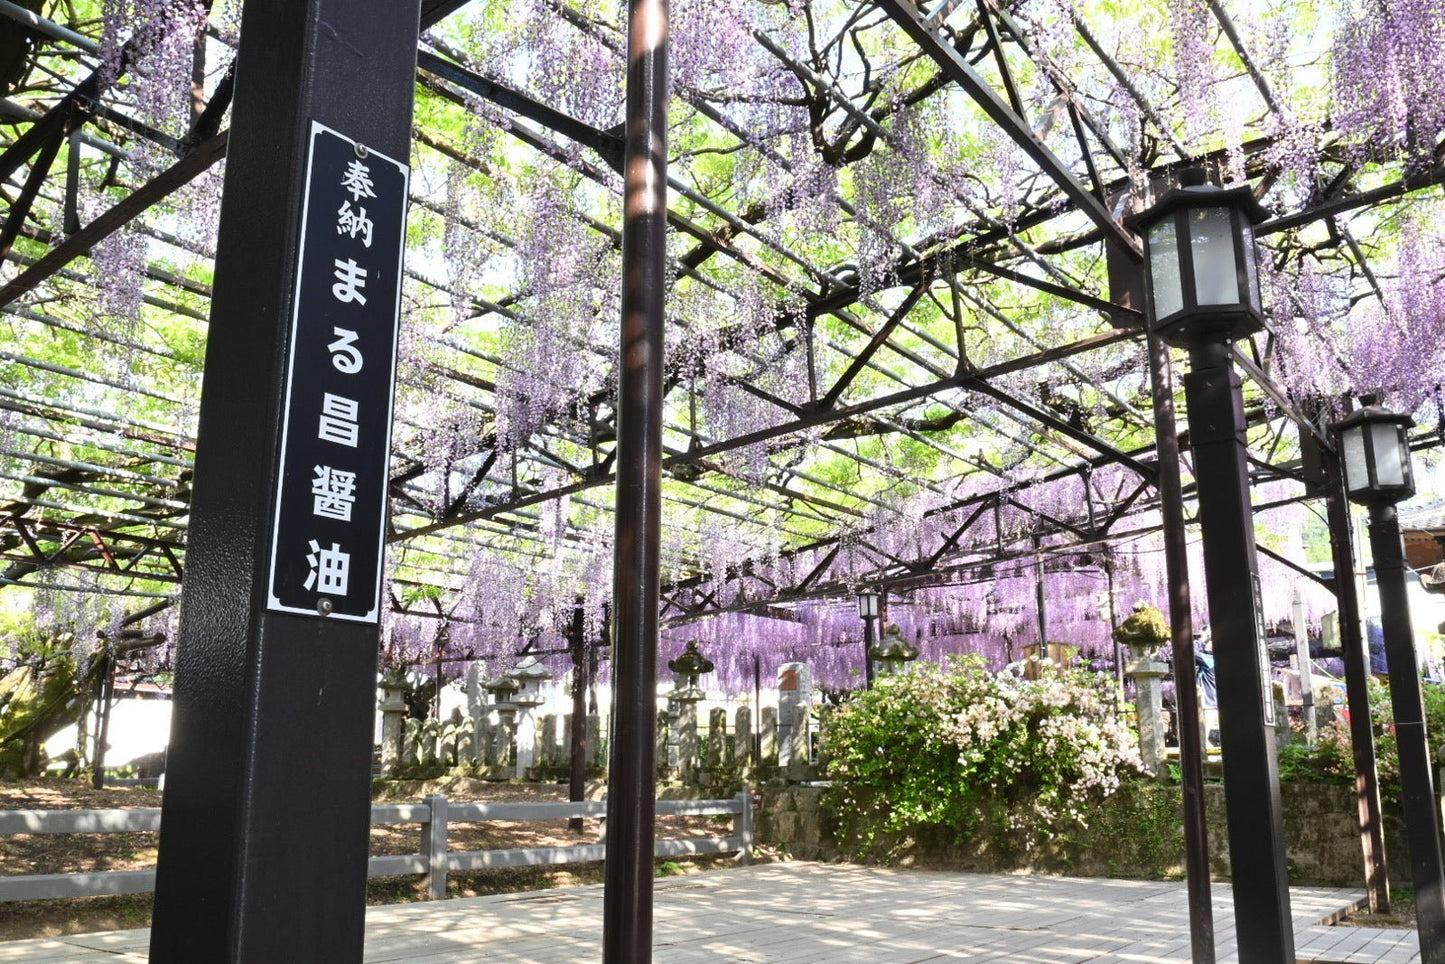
(330, 518)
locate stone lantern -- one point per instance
(503, 690)
(682, 703)
(529, 676)
(685, 672)
(393, 718)
(893, 651)
(1144, 632)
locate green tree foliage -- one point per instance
(39, 695)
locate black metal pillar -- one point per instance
(1357, 685)
(263, 848)
(1260, 880)
(631, 797)
(1417, 785)
(104, 692)
(1041, 607)
(577, 786)
(868, 651)
(1181, 623)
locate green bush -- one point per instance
(946, 746)
(1332, 759)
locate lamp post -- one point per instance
(868, 609)
(1203, 289)
(1375, 455)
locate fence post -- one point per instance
(743, 827)
(434, 847)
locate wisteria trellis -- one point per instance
(857, 253)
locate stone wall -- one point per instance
(1135, 833)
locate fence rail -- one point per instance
(434, 860)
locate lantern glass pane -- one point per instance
(1389, 454)
(1251, 265)
(1164, 269)
(1357, 473)
(1211, 243)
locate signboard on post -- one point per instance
(329, 523)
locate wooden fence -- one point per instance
(433, 861)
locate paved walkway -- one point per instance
(807, 913)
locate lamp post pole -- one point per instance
(632, 775)
(1357, 688)
(867, 650)
(1246, 698)
(1375, 454)
(1422, 818)
(1203, 294)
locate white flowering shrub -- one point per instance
(951, 746)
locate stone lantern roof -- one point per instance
(893, 647)
(529, 676)
(687, 668)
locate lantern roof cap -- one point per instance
(529, 669)
(1371, 411)
(691, 661)
(501, 686)
(1199, 195)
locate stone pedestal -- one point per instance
(393, 720)
(411, 742)
(1147, 672)
(743, 736)
(481, 740)
(795, 688)
(717, 737)
(662, 744)
(476, 695)
(450, 734)
(685, 739)
(594, 740)
(526, 737)
(504, 737)
(769, 737)
(467, 742)
(547, 741)
(797, 744)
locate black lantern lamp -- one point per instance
(1199, 262)
(1202, 284)
(1375, 453)
(1375, 456)
(868, 609)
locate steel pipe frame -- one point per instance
(454, 5)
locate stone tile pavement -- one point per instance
(808, 913)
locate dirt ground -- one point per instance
(1402, 912)
(72, 853)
